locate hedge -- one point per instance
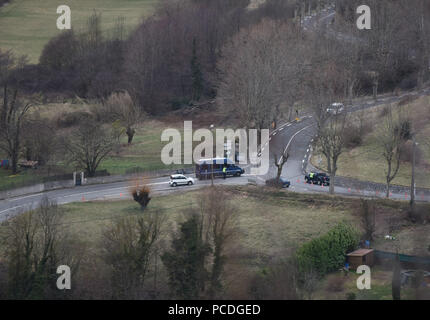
(327, 253)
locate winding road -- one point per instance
(296, 136)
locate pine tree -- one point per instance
(185, 262)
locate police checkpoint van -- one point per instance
(218, 167)
(180, 180)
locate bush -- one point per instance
(336, 284)
(327, 253)
(351, 296)
(71, 119)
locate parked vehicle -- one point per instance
(282, 183)
(180, 180)
(336, 108)
(317, 178)
(205, 168)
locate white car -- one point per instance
(336, 108)
(180, 180)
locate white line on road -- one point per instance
(289, 142)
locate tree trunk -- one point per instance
(388, 190)
(332, 179)
(375, 90)
(14, 160)
(130, 134)
(395, 284)
(278, 175)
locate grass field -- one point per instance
(27, 25)
(381, 287)
(366, 162)
(266, 225)
(143, 155)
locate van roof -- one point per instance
(217, 160)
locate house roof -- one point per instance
(359, 252)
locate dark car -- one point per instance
(282, 183)
(318, 178)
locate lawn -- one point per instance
(266, 226)
(366, 162)
(143, 155)
(27, 25)
(9, 181)
(336, 286)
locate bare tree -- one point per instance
(141, 194)
(279, 163)
(368, 216)
(391, 141)
(331, 141)
(13, 109)
(129, 247)
(121, 107)
(90, 143)
(36, 244)
(256, 70)
(219, 225)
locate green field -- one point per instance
(27, 25)
(267, 225)
(143, 155)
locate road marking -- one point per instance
(289, 142)
(20, 198)
(12, 208)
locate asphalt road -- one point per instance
(119, 190)
(299, 137)
(296, 136)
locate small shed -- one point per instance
(360, 257)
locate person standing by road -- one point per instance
(224, 172)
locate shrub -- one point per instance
(336, 284)
(351, 296)
(327, 253)
(71, 119)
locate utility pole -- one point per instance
(414, 147)
(212, 160)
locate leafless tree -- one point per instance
(219, 226)
(120, 106)
(141, 193)
(13, 109)
(280, 162)
(36, 244)
(368, 216)
(391, 141)
(256, 70)
(90, 143)
(129, 248)
(331, 141)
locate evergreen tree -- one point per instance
(185, 262)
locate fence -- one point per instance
(408, 262)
